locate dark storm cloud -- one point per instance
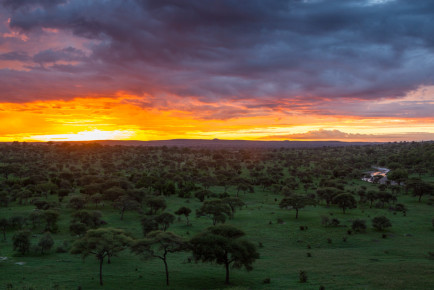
(270, 50)
(66, 54)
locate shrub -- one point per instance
(302, 276)
(380, 223)
(21, 241)
(359, 225)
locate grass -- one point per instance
(363, 261)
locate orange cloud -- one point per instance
(128, 117)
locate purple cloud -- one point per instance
(273, 51)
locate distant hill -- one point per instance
(217, 143)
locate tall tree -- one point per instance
(216, 209)
(185, 211)
(4, 225)
(223, 245)
(101, 243)
(21, 241)
(158, 244)
(345, 200)
(124, 203)
(296, 202)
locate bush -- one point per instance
(359, 225)
(45, 243)
(64, 248)
(380, 223)
(302, 276)
(21, 241)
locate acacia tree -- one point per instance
(185, 211)
(164, 220)
(21, 241)
(380, 223)
(420, 187)
(155, 204)
(216, 209)
(101, 243)
(158, 244)
(296, 202)
(223, 245)
(344, 201)
(45, 243)
(234, 203)
(124, 203)
(4, 225)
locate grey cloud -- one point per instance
(52, 56)
(15, 55)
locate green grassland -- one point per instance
(364, 261)
(397, 258)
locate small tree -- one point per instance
(45, 243)
(149, 224)
(124, 203)
(380, 223)
(164, 220)
(21, 241)
(4, 226)
(101, 243)
(77, 202)
(344, 201)
(51, 217)
(155, 204)
(234, 203)
(157, 245)
(358, 225)
(296, 202)
(185, 211)
(223, 245)
(202, 194)
(216, 209)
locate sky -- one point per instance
(347, 70)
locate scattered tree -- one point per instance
(296, 202)
(101, 243)
(185, 211)
(21, 241)
(216, 209)
(45, 243)
(157, 245)
(380, 223)
(223, 245)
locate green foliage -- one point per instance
(296, 202)
(155, 204)
(344, 201)
(101, 243)
(358, 225)
(164, 220)
(157, 245)
(45, 243)
(4, 226)
(21, 241)
(77, 202)
(302, 276)
(215, 209)
(223, 245)
(380, 223)
(185, 211)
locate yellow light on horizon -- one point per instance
(86, 136)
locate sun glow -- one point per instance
(87, 136)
